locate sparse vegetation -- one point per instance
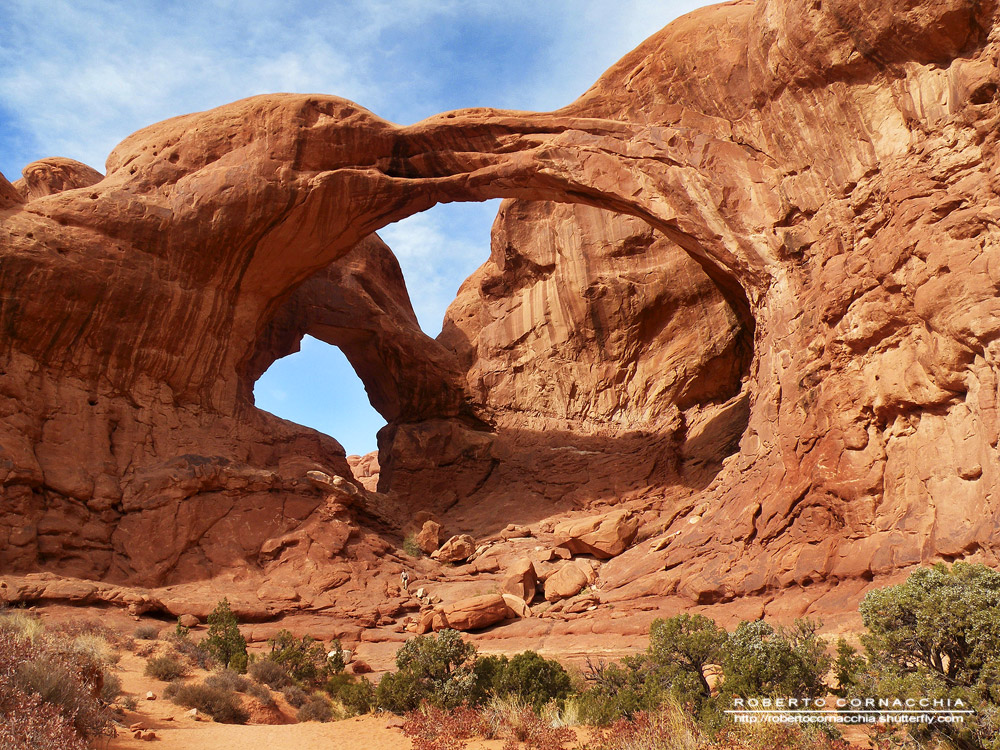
(165, 667)
(411, 547)
(936, 636)
(50, 686)
(317, 708)
(222, 704)
(146, 632)
(270, 673)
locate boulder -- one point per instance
(601, 536)
(458, 548)
(188, 621)
(565, 582)
(520, 580)
(337, 487)
(516, 606)
(476, 612)
(429, 537)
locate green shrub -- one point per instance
(436, 669)
(356, 695)
(304, 658)
(532, 679)
(674, 668)
(225, 642)
(411, 547)
(316, 709)
(619, 691)
(165, 668)
(684, 646)
(221, 704)
(335, 658)
(937, 636)
(761, 661)
(400, 692)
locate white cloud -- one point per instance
(438, 250)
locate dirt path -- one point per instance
(361, 733)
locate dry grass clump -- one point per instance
(317, 708)
(668, 728)
(165, 667)
(54, 687)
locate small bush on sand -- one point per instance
(146, 632)
(165, 668)
(227, 679)
(111, 688)
(222, 705)
(512, 719)
(261, 693)
(195, 654)
(316, 708)
(355, 694)
(296, 696)
(269, 673)
(411, 547)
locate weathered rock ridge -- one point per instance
(765, 316)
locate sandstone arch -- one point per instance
(837, 186)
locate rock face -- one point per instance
(770, 319)
(601, 536)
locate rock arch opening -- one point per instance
(317, 387)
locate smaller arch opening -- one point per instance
(317, 387)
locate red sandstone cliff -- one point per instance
(783, 232)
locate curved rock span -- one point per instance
(746, 286)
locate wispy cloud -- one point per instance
(437, 251)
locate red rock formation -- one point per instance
(828, 166)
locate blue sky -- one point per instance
(77, 76)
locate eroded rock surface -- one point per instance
(767, 323)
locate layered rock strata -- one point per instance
(828, 168)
